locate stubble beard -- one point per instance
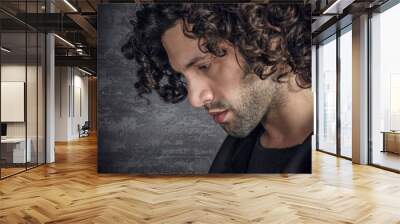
(256, 99)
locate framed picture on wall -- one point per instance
(205, 88)
(12, 101)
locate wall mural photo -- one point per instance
(196, 88)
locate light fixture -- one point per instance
(337, 7)
(84, 71)
(5, 50)
(331, 7)
(65, 41)
(79, 51)
(70, 5)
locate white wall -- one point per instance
(33, 127)
(80, 110)
(61, 103)
(14, 72)
(17, 72)
(70, 83)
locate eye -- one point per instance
(204, 67)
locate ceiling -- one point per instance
(76, 22)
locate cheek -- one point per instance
(228, 78)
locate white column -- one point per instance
(314, 90)
(50, 92)
(360, 90)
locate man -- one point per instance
(247, 64)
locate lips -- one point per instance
(219, 116)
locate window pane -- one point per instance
(385, 84)
(345, 94)
(327, 96)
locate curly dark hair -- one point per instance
(273, 39)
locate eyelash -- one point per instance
(204, 67)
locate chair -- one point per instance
(84, 130)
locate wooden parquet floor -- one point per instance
(71, 191)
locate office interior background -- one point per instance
(48, 85)
(48, 81)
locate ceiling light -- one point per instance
(337, 7)
(84, 71)
(65, 41)
(331, 7)
(70, 5)
(5, 50)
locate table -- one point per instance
(19, 155)
(391, 141)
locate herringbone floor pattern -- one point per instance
(71, 191)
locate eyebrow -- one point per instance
(190, 63)
(194, 61)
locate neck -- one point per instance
(290, 122)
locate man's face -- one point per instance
(237, 101)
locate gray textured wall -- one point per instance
(134, 137)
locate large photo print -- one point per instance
(197, 88)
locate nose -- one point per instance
(199, 93)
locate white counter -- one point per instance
(18, 145)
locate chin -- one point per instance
(236, 133)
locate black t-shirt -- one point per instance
(296, 159)
(246, 155)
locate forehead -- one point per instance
(180, 48)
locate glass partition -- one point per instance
(346, 92)
(385, 89)
(31, 100)
(13, 109)
(41, 87)
(327, 95)
(22, 88)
